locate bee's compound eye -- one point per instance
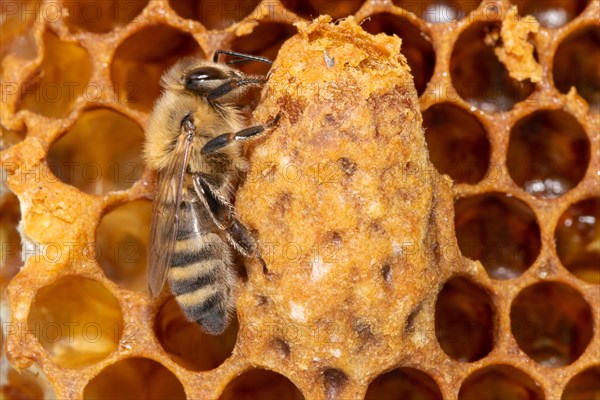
(204, 74)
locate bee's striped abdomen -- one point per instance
(200, 275)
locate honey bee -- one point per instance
(193, 141)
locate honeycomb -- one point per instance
(510, 107)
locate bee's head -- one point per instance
(211, 81)
(205, 79)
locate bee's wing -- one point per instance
(165, 215)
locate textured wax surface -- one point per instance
(345, 212)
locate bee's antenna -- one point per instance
(242, 57)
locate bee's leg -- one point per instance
(241, 238)
(220, 209)
(233, 84)
(242, 57)
(223, 216)
(217, 143)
